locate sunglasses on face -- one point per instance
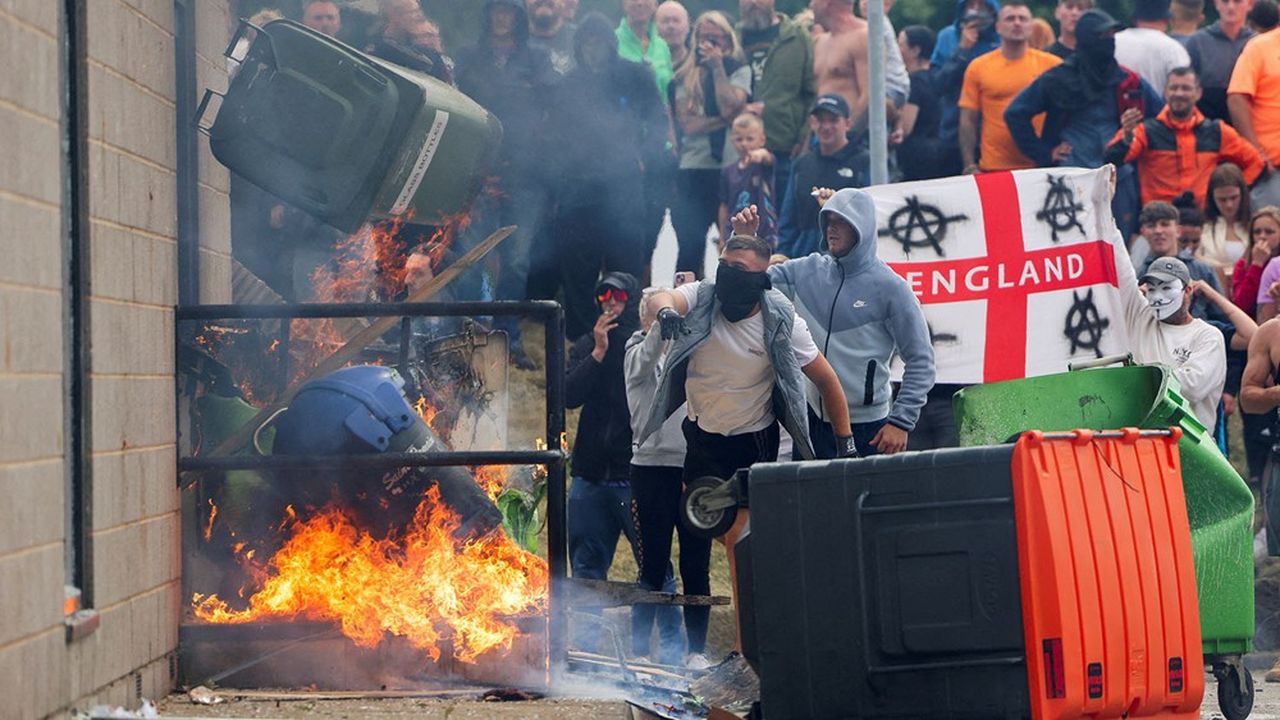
(613, 294)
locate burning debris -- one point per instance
(423, 585)
(413, 552)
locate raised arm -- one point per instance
(1244, 325)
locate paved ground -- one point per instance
(178, 706)
(1266, 707)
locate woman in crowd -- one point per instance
(1264, 236)
(1226, 209)
(710, 88)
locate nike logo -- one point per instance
(859, 303)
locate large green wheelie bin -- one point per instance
(345, 136)
(1219, 502)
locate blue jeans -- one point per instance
(598, 513)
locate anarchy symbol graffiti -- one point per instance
(1084, 324)
(942, 338)
(917, 225)
(1060, 210)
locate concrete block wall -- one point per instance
(132, 210)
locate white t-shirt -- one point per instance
(1196, 352)
(730, 379)
(1151, 54)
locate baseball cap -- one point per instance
(1151, 10)
(1095, 22)
(1167, 269)
(832, 103)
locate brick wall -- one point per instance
(132, 209)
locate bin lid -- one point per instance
(1103, 398)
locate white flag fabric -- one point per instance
(1016, 271)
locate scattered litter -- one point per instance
(510, 695)
(201, 695)
(112, 712)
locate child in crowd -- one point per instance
(750, 180)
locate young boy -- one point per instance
(750, 180)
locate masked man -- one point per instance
(739, 355)
(863, 314)
(1162, 330)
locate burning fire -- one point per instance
(425, 410)
(424, 585)
(378, 263)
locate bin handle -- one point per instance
(1125, 359)
(243, 29)
(200, 110)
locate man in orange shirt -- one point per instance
(991, 82)
(1253, 97)
(1180, 148)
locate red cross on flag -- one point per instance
(1016, 270)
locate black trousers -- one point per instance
(936, 427)
(718, 456)
(696, 208)
(656, 491)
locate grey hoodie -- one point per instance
(860, 312)
(642, 366)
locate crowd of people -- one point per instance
(753, 133)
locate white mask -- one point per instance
(1165, 298)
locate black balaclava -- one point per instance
(739, 290)
(597, 26)
(522, 20)
(1096, 50)
(1090, 73)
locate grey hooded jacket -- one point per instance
(642, 368)
(860, 313)
(788, 389)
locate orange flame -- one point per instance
(491, 478)
(425, 410)
(424, 586)
(208, 528)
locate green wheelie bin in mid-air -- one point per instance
(1219, 502)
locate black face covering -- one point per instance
(1090, 74)
(739, 290)
(1097, 62)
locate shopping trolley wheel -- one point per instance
(1235, 691)
(708, 507)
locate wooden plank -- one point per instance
(667, 671)
(608, 593)
(304, 695)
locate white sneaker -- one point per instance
(697, 661)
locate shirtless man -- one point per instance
(840, 55)
(1260, 394)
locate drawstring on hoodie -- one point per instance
(831, 316)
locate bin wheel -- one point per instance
(707, 508)
(1235, 699)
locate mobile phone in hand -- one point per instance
(684, 277)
